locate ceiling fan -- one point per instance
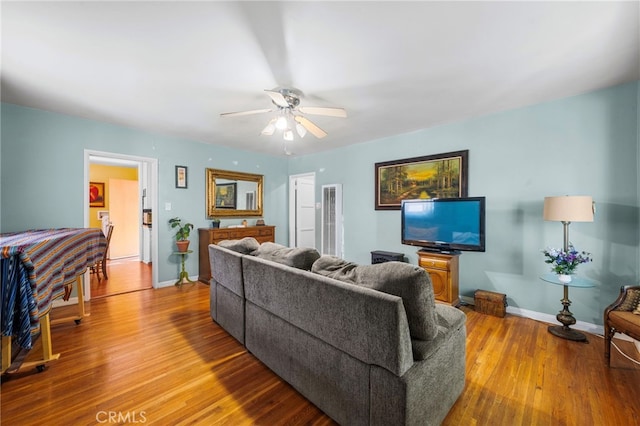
(287, 103)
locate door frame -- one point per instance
(292, 204)
(151, 180)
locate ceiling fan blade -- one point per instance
(270, 128)
(312, 128)
(331, 112)
(278, 98)
(237, 114)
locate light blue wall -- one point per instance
(42, 172)
(584, 145)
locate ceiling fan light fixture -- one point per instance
(289, 114)
(281, 122)
(301, 130)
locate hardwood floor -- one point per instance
(128, 274)
(155, 357)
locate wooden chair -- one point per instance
(619, 318)
(102, 263)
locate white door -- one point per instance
(302, 228)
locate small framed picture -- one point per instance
(96, 194)
(181, 176)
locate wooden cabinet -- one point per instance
(208, 236)
(443, 270)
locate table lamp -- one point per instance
(567, 209)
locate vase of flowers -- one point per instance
(565, 262)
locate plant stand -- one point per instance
(565, 317)
(183, 278)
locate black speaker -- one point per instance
(385, 256)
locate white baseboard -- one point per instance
(551, 319)
(59, 302)
(172, 282)
(74, 300)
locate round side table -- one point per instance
(565, 317)
(184, 276)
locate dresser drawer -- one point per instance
(434, 263)
(208, 236)
(267, 232)
(218, 236)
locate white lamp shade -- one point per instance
(568, 208)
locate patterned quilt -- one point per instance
(36, 266)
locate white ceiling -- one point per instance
(396, 67)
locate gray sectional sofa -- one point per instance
(366, 344)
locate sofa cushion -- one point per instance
(409, 282)
(625, 321)
(630, 301)
(244, 246)
(299, 257)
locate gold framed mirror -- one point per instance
(233, 193)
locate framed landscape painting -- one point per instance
(432, 176)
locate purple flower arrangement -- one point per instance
(565, 262)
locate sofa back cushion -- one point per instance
(300, 257)
(246, 245)
(368, 325)
(409, 282)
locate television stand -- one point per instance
(440, 250)
(443, 271)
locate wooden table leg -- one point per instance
(80, 288)
(81, 311)
(45, 329)
(6, 353)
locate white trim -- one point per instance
(338, 231)
(153, 203)
(173, 282)
(60, 302)
(550, 319)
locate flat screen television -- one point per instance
(444, 224)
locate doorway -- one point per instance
(302, 210)
(126, 200)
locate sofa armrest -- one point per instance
(226, 268)
(449, 317)
(450, 320)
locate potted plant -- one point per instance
(215, 223)
(182, 235)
